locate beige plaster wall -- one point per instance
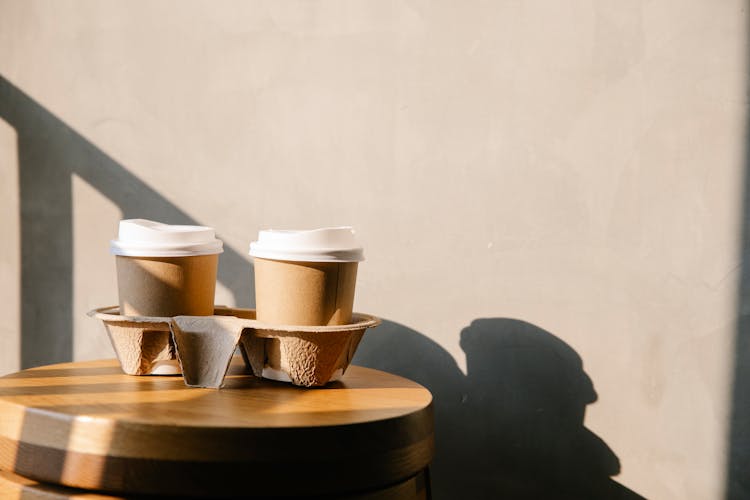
(576, 165)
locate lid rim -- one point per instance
(172, 253)
(116, 248)
(299, 257)
(131, 244)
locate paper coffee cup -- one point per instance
(165, 270)
(306, 277)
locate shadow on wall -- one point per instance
(738, 459)
(513, 426)
(49, 154)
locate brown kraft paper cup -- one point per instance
(167, 286)
(304, 293)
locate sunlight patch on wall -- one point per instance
(224, 296)
(10, 251)
(95, 220)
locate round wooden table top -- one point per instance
(88, 425)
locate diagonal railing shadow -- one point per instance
(49, 153)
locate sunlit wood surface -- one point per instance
(87, 425)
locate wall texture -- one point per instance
(550, 194)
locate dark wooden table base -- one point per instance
(15, 487)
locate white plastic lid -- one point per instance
(147, 238)
(329, 244)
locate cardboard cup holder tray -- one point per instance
(201, 347)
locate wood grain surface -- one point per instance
(88, 425)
